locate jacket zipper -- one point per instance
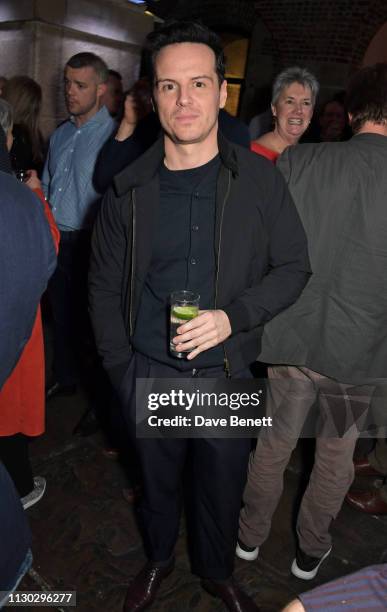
(133, 261)
(226, 362)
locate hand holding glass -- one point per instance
(184, 307)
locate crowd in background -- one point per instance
(69, 178)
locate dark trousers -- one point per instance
(67, 291)
(216, 474)
(14, 453)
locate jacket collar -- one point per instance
(145, 167)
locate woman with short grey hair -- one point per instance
(293, 99)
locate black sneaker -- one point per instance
(306, 567)
(248, 553)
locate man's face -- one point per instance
(113, 97)
(83, 92)
(187, 92)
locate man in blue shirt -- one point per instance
(67, 183)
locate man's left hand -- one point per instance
(208, 329)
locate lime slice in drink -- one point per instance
(185, 312)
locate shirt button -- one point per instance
(60, 189)
(65, 169)
(193, 261)
(195, 228)
(71, 150)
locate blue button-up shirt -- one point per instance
(68, 172)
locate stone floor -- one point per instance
(85, 536)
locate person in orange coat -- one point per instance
(22, 403)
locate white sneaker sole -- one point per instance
(245, 555)
(35, 495)
(299, 573)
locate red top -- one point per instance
(260, 150)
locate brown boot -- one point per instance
(143, 589)
(370, 502)
(364, 468)
(231, 595)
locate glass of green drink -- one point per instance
(184, 307)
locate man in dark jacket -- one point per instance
(330, 347)
(199, 213)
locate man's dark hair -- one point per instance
(115, 74)
(84, 60)
(173, 31)
(367, 96)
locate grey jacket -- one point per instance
(338, 327)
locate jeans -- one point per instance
(23, 569)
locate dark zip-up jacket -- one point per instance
(261, 253)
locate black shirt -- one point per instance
(183, 257)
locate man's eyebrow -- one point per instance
(75, 81)
(202, 76)
(164, 80)
(195, 78)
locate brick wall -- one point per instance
(302, 30)
(328, 36)
(323, 31)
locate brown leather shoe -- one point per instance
(142, 591)
(230, 593)
(364, 468)
(367, 501)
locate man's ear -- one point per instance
(350, 117)
(223, 94)
(101, 89)
(273, 111)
